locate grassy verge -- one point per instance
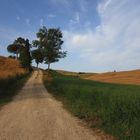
(112, 107)
(10, 86)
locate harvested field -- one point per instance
(124, 77)
(9, 68)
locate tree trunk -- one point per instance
(17, 56)
(48, 68)
(37, 65)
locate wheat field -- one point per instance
(124, 77)
(9, 68)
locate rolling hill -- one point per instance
(9, 67)
(124, 77)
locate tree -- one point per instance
(16, 46)
(21, 48)
(37, 55)
(13, 48)
(25, 57)
(50, 41)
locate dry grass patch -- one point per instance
(125, 77)
(10, 68)
(12, 78)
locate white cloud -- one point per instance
(41, 22)
(60, 2)
(103, 5)
(51, 16)
(28, 22)
(115, 43)
(74, 20)
(83, 5)
(77, 17)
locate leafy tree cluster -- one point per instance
(48, 48)
(37, 55)
(50, 42)
(21, 48)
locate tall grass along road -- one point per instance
(35, 115)
(112, 107)
(12, 78)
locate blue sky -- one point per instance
(99, 35)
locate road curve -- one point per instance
(35, 115)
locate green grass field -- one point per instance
(114, 108)
(10, 86)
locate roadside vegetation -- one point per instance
(113, 107)
(83, 75)
(10, 86)
(12, 78)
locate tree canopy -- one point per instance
(48, 48)
(37, 55)
(50, 41)
(25, 56)
(21, 48)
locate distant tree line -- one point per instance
(46, 48)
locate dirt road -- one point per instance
(35, 115)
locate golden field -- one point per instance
(9, 67)
(124, 77)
